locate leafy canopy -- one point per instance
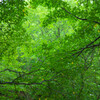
(49, 50)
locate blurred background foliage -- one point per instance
(50, 50)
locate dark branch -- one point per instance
(79, 52)
(20, 76)
(79, 17)
(11, 71)
(23, 83)
(93, 41)
(88, 46)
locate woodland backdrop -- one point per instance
(50, 50)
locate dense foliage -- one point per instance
(50, 50)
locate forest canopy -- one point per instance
(50, 50)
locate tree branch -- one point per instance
(88, 46)
(79, 17)
(23, 83)
(11, 71)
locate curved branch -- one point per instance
(79, 17)
(23, 83)
(11, 71)
(88, 46)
